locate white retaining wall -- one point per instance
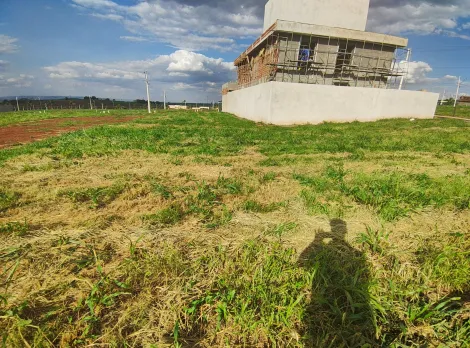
(284, 103)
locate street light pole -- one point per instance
(164, 100)
(148, 92)
(459, 83)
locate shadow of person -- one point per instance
(339, 313)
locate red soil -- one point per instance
(32, 131)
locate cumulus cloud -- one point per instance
(181, 70)
(417, 76)
(19, 81)
(8, 44)
(179, 63)
(417, 72)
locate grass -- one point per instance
(97, 197)
(200, 229)
(10, 118)
(8, 200)
(447, 110)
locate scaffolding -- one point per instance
(312, 59)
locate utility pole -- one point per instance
(459, 83)
(164, 100)
(17, 105)
(148, 92)
(91, 105)
(402, 80)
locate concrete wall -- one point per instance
(253, 103)
(292, 103)
(334, 13)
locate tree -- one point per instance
(449, 101)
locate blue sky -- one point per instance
(101, 47)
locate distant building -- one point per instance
(178, 107)
(315, 62)
(464, 101)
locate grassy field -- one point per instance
(203, 230)
(461, 111)
(10, 118)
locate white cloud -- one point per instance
(134, 38)
(217, 24)
(416, 71)
(187, 26)
(184, 61)
(419, 17)
(20, 81)
(178, 64)
(7, 44)
(110, 16)
(179, 71)
(182, 86)
(418, 78)
(96, 3)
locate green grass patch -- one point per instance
(166, 217)
(10, 118)
(448, 110)
(218, 134)
(257, 207)
(392, 195)
(98, 197)
(8, 200)
(14, 228)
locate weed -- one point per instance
(256, 207)
(160, 189)
(270, 176)
(99, 197)
(17, 228)
(375, 240)
(103, 295)
(280, 230)
(166, 217)
(229, 185)
(8, 200)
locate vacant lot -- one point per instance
(28, 132)
(199, 229)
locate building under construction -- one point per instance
(317, 68)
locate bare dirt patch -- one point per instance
(34, 131)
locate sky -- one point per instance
(102, 47)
